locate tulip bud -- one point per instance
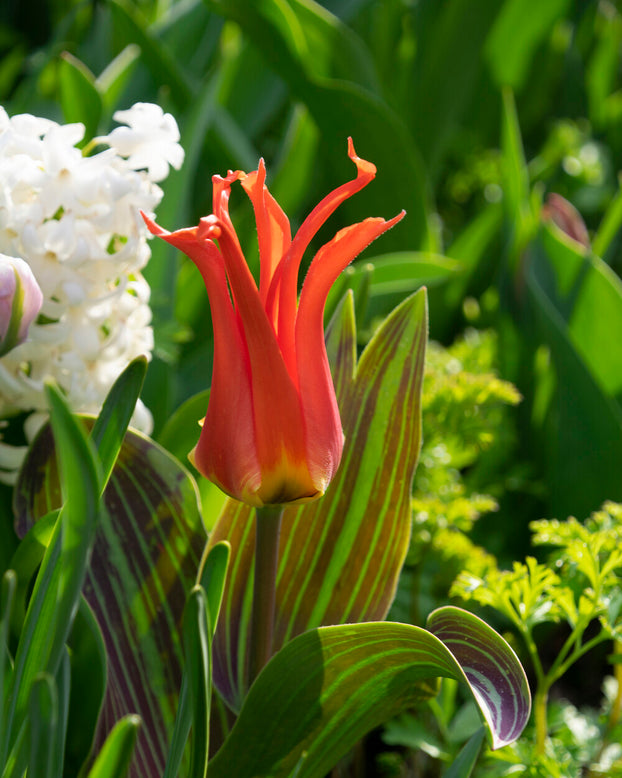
(566, 217)
(20, 301)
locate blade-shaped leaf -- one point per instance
(325, 689)
(56, 592)
(212, 578)
(43, 719)
(197, 645)
(340, 557)
(145, 559)
(112, 423)
(115, 757)
(79, 96)
(7, 597)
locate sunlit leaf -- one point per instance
(327, 688)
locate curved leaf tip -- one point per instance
(492, 669)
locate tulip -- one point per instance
(20, 301)
(272, 433)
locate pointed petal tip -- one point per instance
(153, 228)
(364, 167)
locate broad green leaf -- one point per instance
(145, 559)
(328, 687)
(115, 757)
(79, 97)
(43, 720)
(588, 295)
(340, 557)
(521, 26)
(397, 275)
(447, 72)
(57, 588)
(583, 431)
(164, 67)
(288, 35)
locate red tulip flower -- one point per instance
(272, 433)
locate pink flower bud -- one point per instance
(563, 213)
(20, 301)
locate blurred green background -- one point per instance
(473, 113)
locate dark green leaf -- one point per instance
(463, 764)
(80, 99)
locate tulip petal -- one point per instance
(226, 464)
(320, 411)
(286, 281)
(279, 429)
(273, 233)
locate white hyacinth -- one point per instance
(75, 220)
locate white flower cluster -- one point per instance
(74, 218)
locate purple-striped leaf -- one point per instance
(327, 688)
(340, 557)
(145, 560)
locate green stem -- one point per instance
(540, 704)
(267, 532)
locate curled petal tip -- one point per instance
(153, 228)
(209, 228)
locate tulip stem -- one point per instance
(267, 532)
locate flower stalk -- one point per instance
(267, 533)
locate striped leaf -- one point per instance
(327, 688)
(145, 560)
(340, 557)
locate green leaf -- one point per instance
(111, 424)
(340, 557)
(583, 426)
(79, 96)
(305, 45)
(88, 687)
(447, 71)
(212, 578)
(463, 764)
(325, 689)
(43, 719)
(197, 644)
(7, 596)
(115, 757)
(521, 26)
(57, 588)
(145, 560)
(164, 67)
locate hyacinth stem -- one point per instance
(267, 532)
